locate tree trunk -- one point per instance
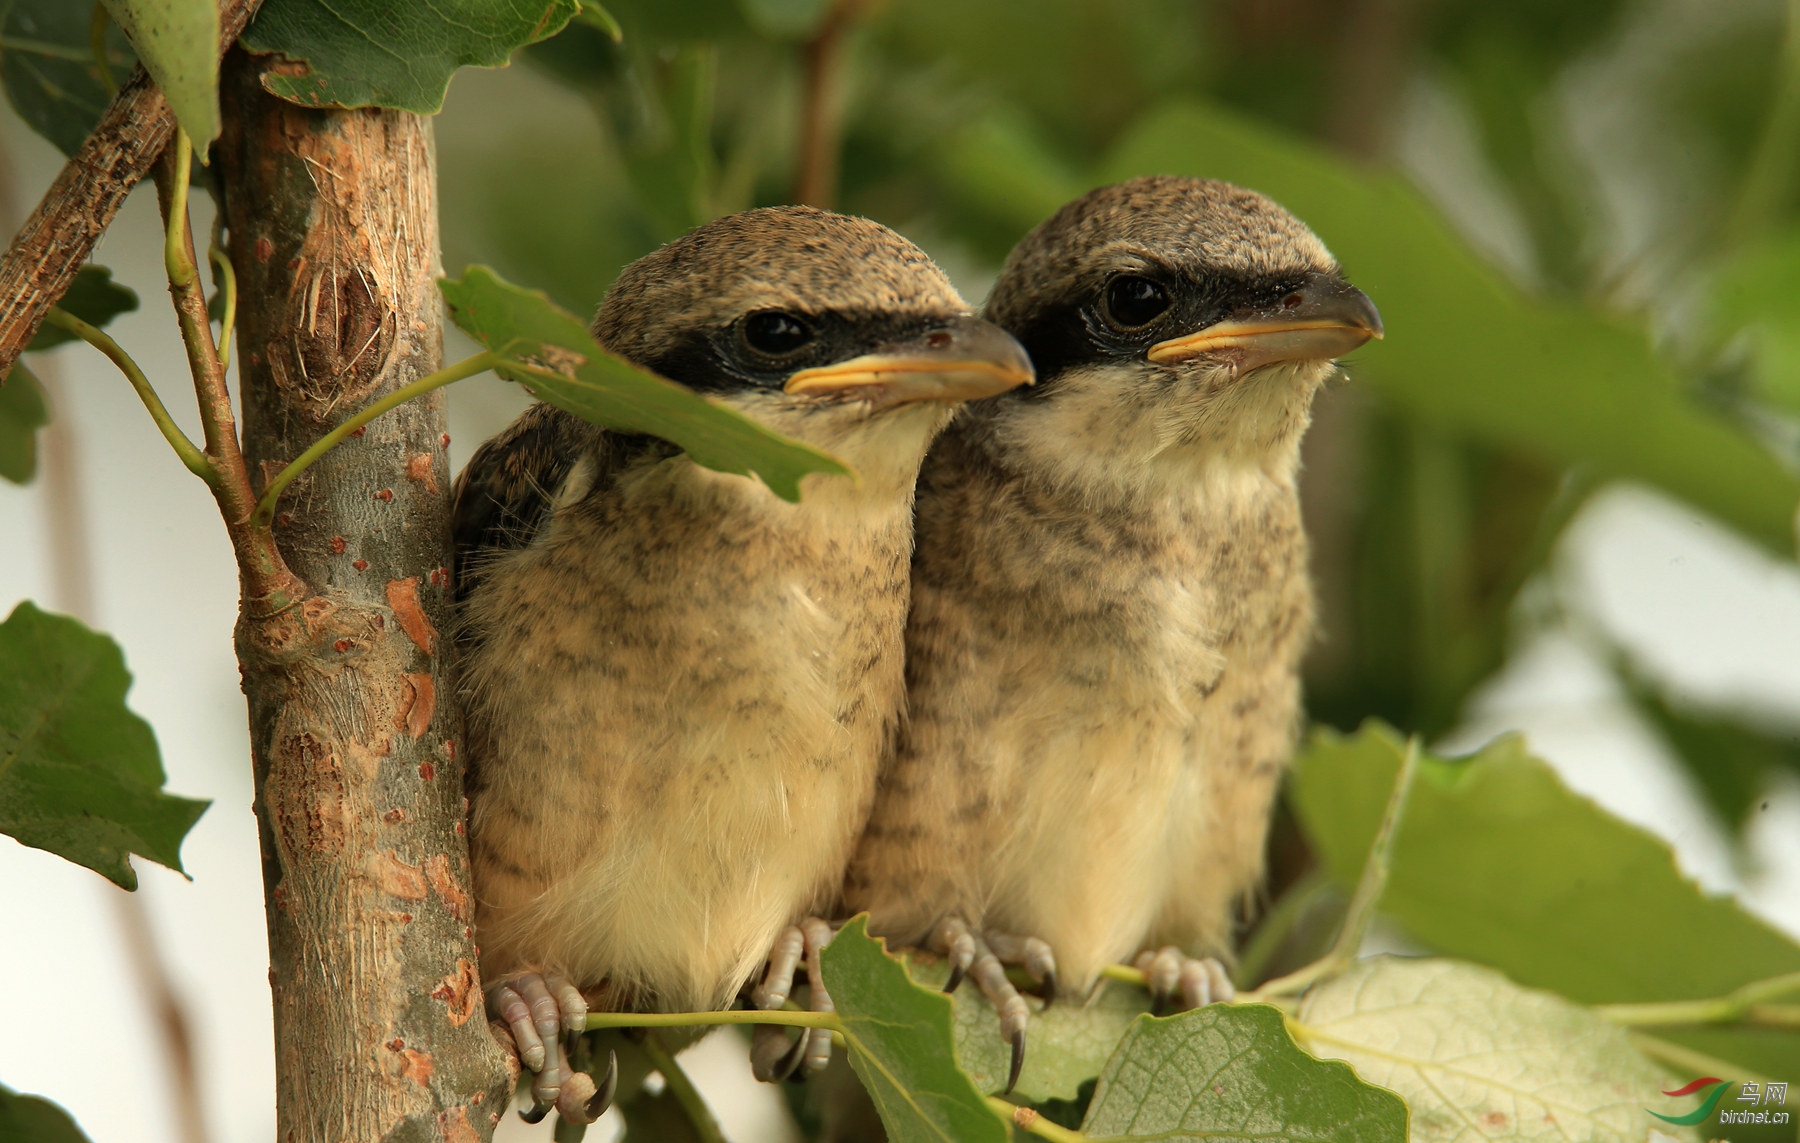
(379, 1029)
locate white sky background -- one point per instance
(1700, 607)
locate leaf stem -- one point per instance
(1770, 177)
(699, 1115)
(1028, 1119)
(701, 1019)
(97, 25)
(1124, 974)
(1368, 892)
(1746, 1005)
(1689, 1061)
(176, 262)
(226, 277)
(469, 367)
(190, 454)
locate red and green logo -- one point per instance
(1706, 1107)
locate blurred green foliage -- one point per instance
(1594, 271)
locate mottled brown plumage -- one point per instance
(1110, 592)
(678, 685)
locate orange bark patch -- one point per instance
(455, 1125)
(460, 992)
(403, 597)
(396, 877)
(443, 879)
(419, 469)
(417, 1066)
(417, 705)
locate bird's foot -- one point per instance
(772, 1057)
(544, 1016)
(1178, 982)
(983, 958)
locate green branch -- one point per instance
(190, 454)
(265, 507)
(700, 1116)
(1368, 892)
(1746, 1005)
(1029, 1120)
(701, 1019)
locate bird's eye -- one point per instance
(1133, 302)
(775, 333)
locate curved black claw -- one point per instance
(537, 1112)
(788, 1067)
(1018, 1061)
(609, 1084)
(1160, 1001)
(1047, 989)
(956, 978)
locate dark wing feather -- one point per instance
(504, 493)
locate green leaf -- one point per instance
(1498, 862)
(900, 1045)
(30, 1119)
(94, 298)
(1068, 1043)
(178, 42)
(378, 53)
(1232, 1072)
(47, 64)
(23, 412)
(552, 354)
(1478, 1058)
(1467, 350)
(79, 773)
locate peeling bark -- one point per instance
(354, 731)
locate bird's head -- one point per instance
(829, 328)
(1172, 320)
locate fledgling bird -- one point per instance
(1110, 600)
(679, 686)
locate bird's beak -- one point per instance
(1325, 318)
(961, 359)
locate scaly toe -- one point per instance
(953, 938)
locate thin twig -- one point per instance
(1027, 1119)
(270, 586)
(72, 591)
(60, 234)
(1770, 178)
(190, 454)
(469, 367)
(821, 106)
(157, 990)
(1368, 892)
(693, 1104)
(701, 1019)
